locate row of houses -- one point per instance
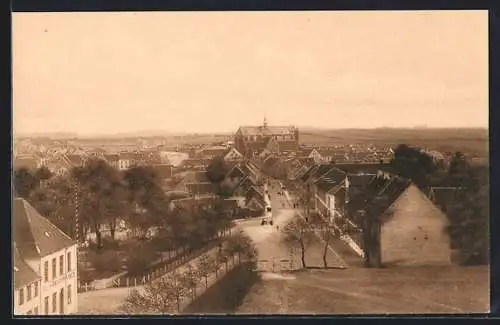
(61, 163)
(386, 219)
(204, 155)
(241, 189)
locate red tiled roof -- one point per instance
(35, 236)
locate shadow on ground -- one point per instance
(225, 296)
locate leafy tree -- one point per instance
(57, 202)
(468, 210)
(240, 245)
(25, 182)
(414, 164)
(140, 257)
(97, 182)
(43, 173)
(299, 231)
(146, 199)
(217, 169)
(459, 171)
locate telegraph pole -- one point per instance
(77, 212)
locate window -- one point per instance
(46, 305)
(54, 268)
(35, 310)
(69, 261)
(61, 265)
(69, 294)
(46, 271)
(21, 296)
(61, 301)
(28, 292)
(35, 293)
(54, 302)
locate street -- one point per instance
(269, 239)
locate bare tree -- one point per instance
(161, 296)
(190, 279)
(306, 199)
(299, 231)
(323, 226)
(222, 257)
(205, 267)
(215, 266)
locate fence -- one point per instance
(275, 265)
(202, 284)
(157, 270)
(84, 287)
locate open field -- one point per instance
(452, 139)
(372, 291)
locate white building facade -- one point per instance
(44, 249)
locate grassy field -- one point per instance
(464, 139)
(373, 291)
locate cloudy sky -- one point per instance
(213, 71)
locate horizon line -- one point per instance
(181, 133)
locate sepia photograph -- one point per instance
(250, 163)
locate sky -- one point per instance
(106, 72)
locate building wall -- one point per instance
(65, 282)
(233, 156)
(30, 305)
(416, 232)
(258, 142)
(123, 164)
